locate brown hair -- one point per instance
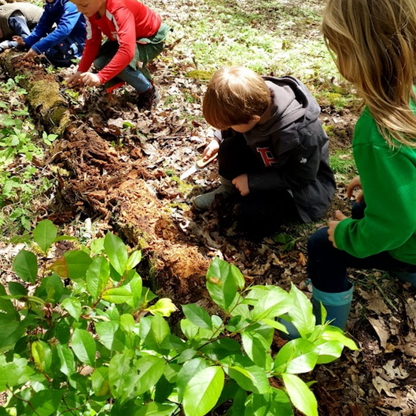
(234, 96)
(374, 42)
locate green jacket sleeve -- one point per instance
(388, 177)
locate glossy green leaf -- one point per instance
(110, 335)
(197, 315)
(256, 343)
(300, 395)
(301, 312)
(45, 234)
(11, 331)
(83, 345)
(250, 378)
(97, 246)
(275, 324)
(328, 351)
(66, 359)
(6, 305)
(14, 373)
(135, 286)
(122, 377)
(99, 382)
(46, 402)
(65, 238)
(50, 289)
(163, 307)
(276, 403)
(134, 260)
(97, 276)
(156, 409)
(25, 265)
(275, 302)
(159, 329)
(117, 295)
(128, 323)
(221, 348)
(150, 369)
(42, 355)
(73, 307)
(189, 370)
(223, 280)
(332, 333)
(17, 289)
(77, 263)
(297, 356)
(203, 391)
(116, 252)
(189, 329)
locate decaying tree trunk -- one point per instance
(106, 182)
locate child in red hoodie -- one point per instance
(135, 37)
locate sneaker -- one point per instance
(148, 99)
(205, 201)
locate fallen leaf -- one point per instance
(395, 372)
(381, 385)
(381, 329)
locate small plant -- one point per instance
(286, 240)
(342, 162)
(86, 340)
(20, 182)
(48, 138)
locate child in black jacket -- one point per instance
(271, 148)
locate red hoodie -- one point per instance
(124, 21)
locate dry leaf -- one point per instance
(381, 385)
(395, 372)
(377, 305)
(381, 329)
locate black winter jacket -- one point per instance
(293, 149)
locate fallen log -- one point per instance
(107, 182)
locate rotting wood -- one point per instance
(105, 182)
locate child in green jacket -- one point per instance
(374, 44)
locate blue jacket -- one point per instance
(70, 27)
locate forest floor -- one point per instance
(274, 38)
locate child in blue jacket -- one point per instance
(62, 44)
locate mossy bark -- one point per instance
(105, 182)
(43, 95)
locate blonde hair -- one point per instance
(375, 46)
(234, 96)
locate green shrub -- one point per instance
(84, 340)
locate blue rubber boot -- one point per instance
(337, 306)
(406, 277)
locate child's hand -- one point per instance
(30, 54)
(19, 40)
(211, 149)
(241, 183)
(355, 183)
(333, 224)
(74, 79)
(90, 79)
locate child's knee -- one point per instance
(99, 63)
(318, 242)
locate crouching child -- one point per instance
(59, 36)
(272, 149)
(17, 19)
(135, 36)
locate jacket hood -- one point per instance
(292, 100)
